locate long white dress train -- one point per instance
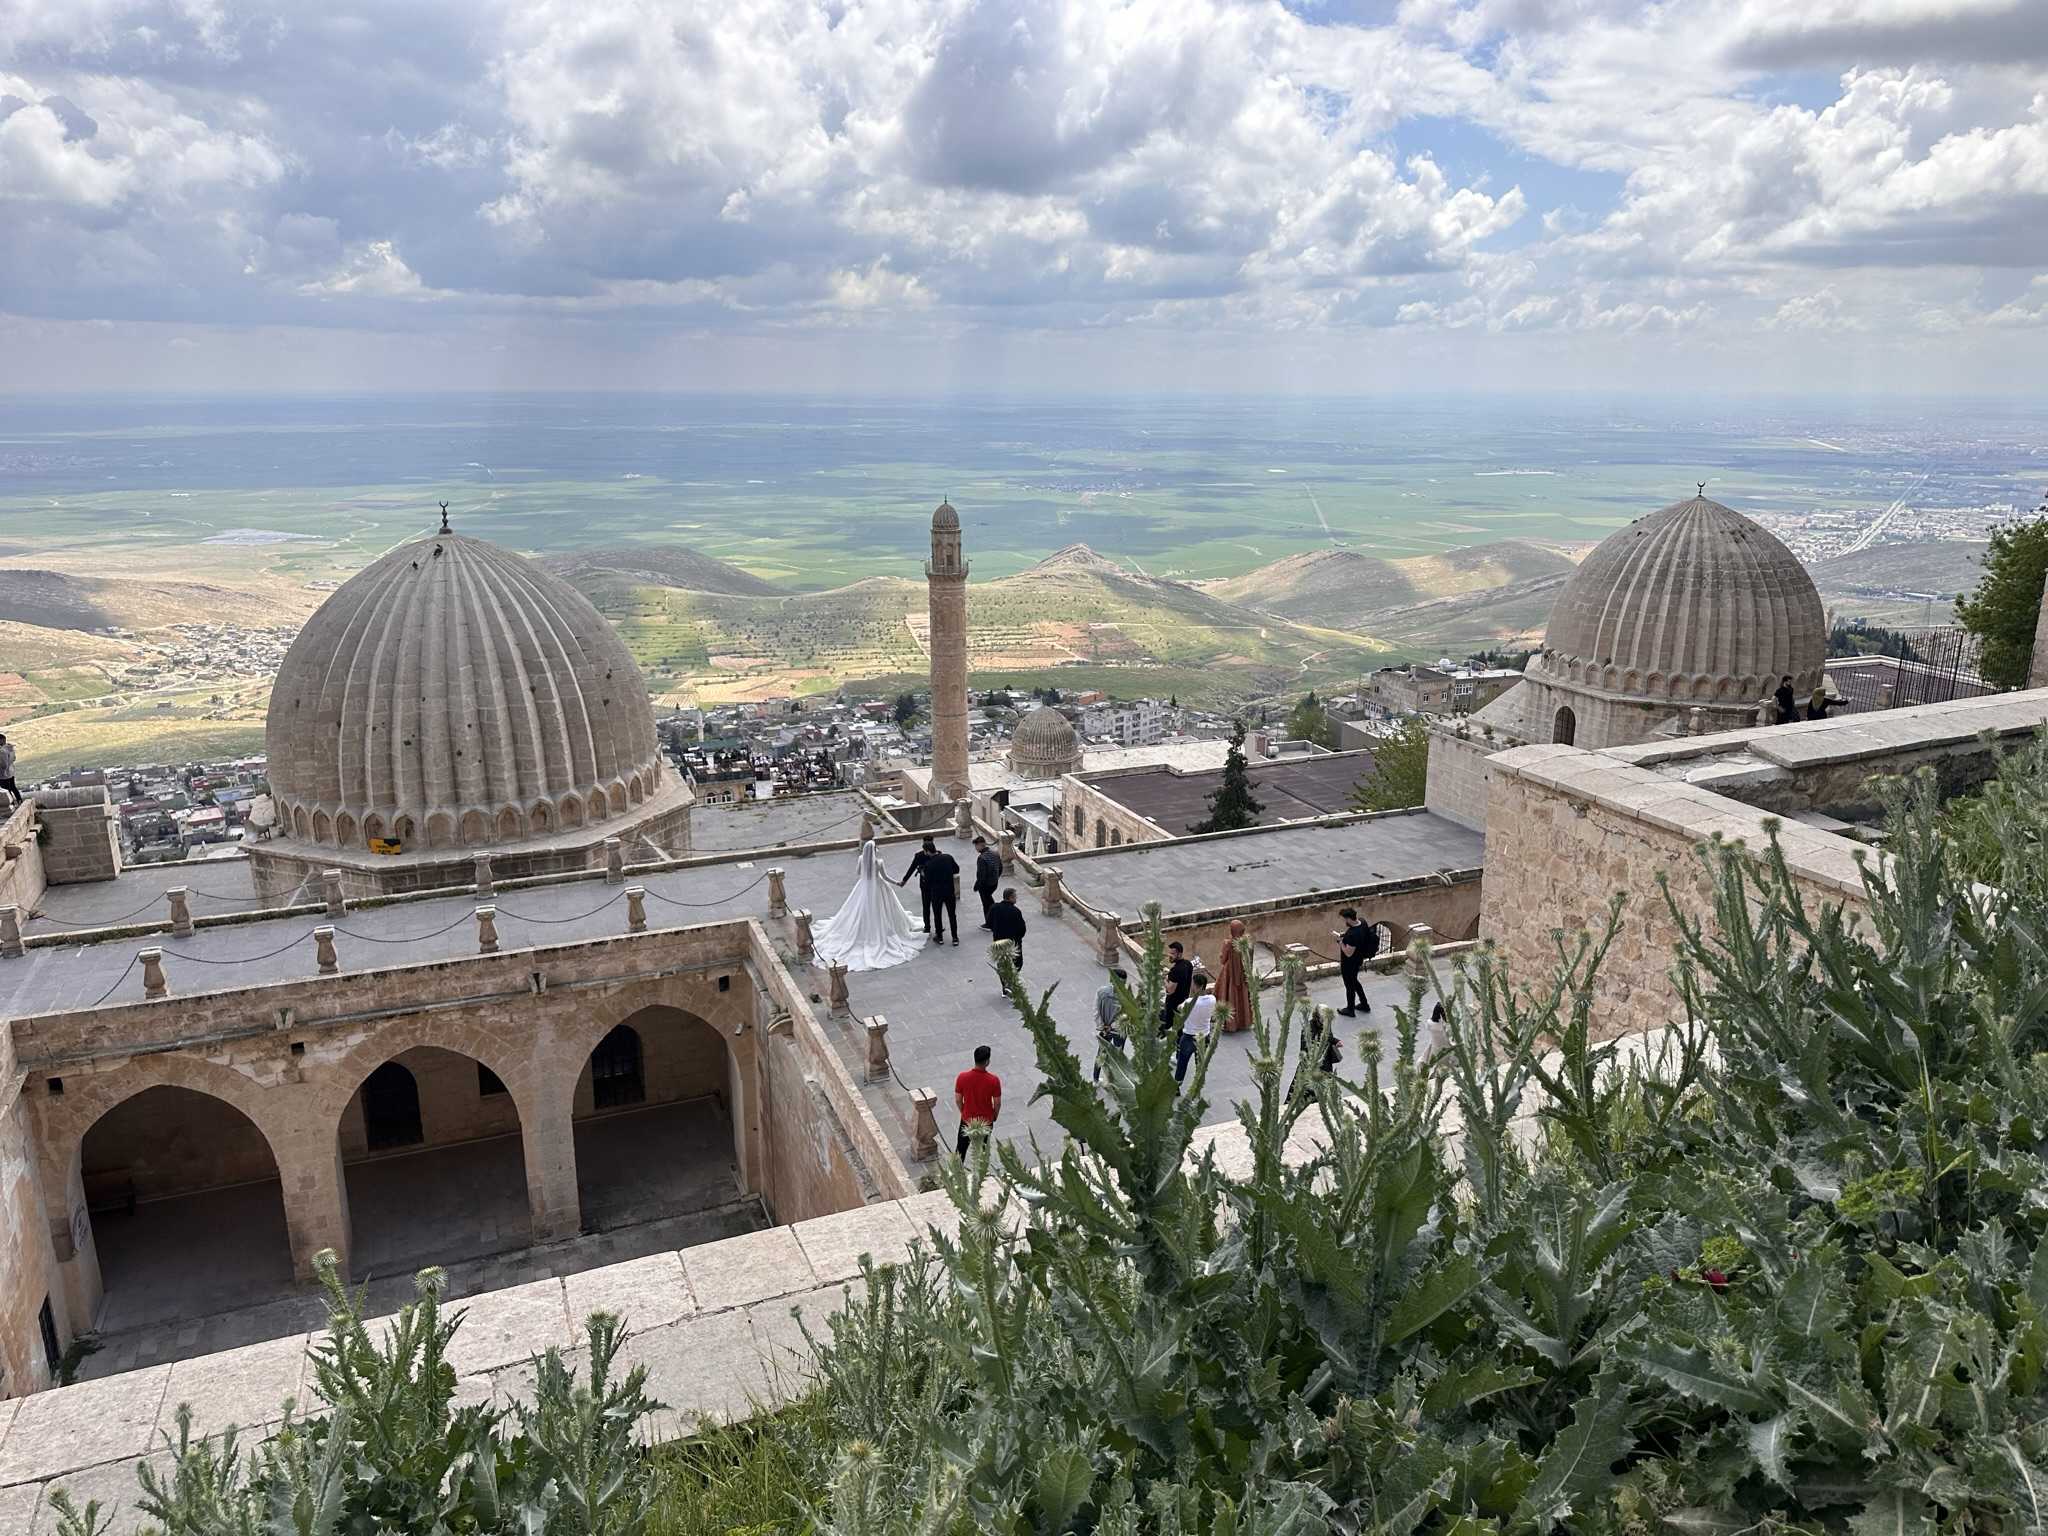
(870, 931)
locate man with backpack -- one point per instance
(1357, 943)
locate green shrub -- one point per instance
(1785, 1272)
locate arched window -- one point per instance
(1101, 834)
(1080, 820)
(1565, 727)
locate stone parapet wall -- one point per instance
(1566, 829)
(1448, 907)
(21, 860)
(81, 841)
(1104, 823)
(28, 1275)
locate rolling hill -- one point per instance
(57, 600)
(1939, 568)
(663, 565)
(1073, 609)
(1343, 589)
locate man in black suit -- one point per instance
(1180, 981)
(919, 863)
(941, 888)
(988, 874)
(1006, 921)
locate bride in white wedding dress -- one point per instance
(870, 931)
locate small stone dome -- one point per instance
(945, 519)
(1045, 745)
(1691, 604)
(454, 694)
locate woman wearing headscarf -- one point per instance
(1233, 982)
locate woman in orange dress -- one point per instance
(1233, 984)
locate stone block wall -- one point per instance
(27, 1270)
(81, 841)
(1455, 788)
(1102, 822)
(2037, 669)
(1567, 828)
(170, 1141)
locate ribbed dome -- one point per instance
(1045, 743)
(945, 517)
(454, 693)
(1694, 602)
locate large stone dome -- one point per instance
(1694, 604)
(1045, 745)
(453, 694)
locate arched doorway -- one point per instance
(186, 1207)
(653, 1117)
(1564, 727)
(434, 1164)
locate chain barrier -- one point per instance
(133, 961)
(716, 902)
(291, 943)
(579, 917)
(416, 938)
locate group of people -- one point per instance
(1788, 701)
(871, 930)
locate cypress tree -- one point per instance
(1232, 805)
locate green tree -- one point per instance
(2006, 606)
(1400, 768)
(1232, 805)
(906, 708)
(1311, 722)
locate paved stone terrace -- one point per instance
(1196, 874)
(939, 1006)
(218, 887)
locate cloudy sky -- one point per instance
(928, 195)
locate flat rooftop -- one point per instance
(939, 1006)
(774, 823)
(1287, 789)
(1198, 874)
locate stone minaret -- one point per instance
(946, 583)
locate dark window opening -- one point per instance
(391, 1108)
(48, 1321)
(1565, 727)
(487, 1082)
(616, 1077)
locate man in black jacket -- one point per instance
(1180, 981)
(988, 874)
(941, 886)
(1357, 943)
(1006, 921)
(919, 863)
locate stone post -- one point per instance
(1421, 939)
(867, 826)
(323, 951)
(1696, 722)
(1884, 695)
(614, 861)
(1008, 849)
(10, 932)
(487, 929)
(804, 943)
(924, 1129)
(1109, 938)
(330, 892)
(778, 894)
(153, 983)
(963, 820)
(835, 989)
(636, 909)
(181, 911)
(1766, 712)
(878, 1048)
(485, 890)
(1052, 895)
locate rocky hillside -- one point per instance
(657, 565)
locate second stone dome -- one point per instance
(454, 694)
(1693, 603)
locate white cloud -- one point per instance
(373, 270)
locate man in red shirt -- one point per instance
(978, 1095)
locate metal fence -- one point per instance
(1917, 666)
